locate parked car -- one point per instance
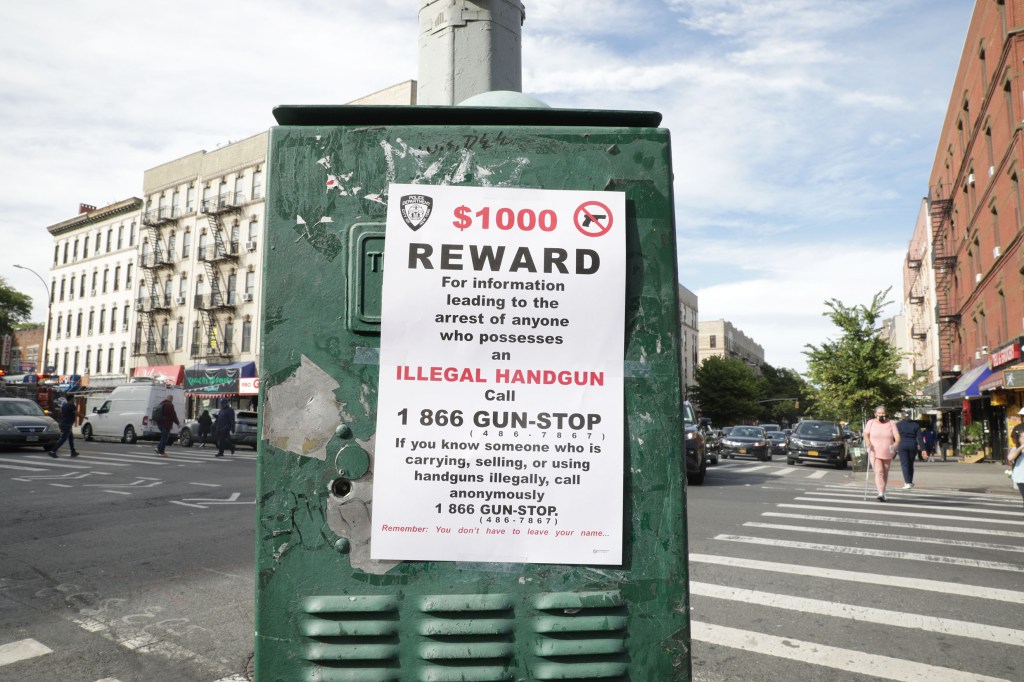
(778, 440)
(126, 413)
(818, 441)
(23, 424)
(768, 428)
(746, 441)
(696, 450)
(245, 430)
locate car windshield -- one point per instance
(817, 430)
(746, 432)
(776, 434)
(20, 408)
(689, 416)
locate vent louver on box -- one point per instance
(465, 637)
(351, 638)
(580, 636)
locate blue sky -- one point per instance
(803, 130)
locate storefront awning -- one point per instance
(217, 380)
(967, 385)
(171, 374)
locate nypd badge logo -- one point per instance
(416, 210)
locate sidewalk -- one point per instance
(980, 477)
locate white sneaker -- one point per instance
(880, 498)
(908, 486)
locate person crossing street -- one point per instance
(881, 436)
(223, 427)
(909, 446)
(67, 427)
(168, 418)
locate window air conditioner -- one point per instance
(71, 295)
(124, 328)
(251, 246)
(997, 251)
(956, 368)
(247, 297)
(970, 178)
(977, 278)
(180, 300)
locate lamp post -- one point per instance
(49, 315)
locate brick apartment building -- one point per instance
(976, 214)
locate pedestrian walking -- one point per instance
(68, 414)
(168, 418)
(908, 447)
(928, 442)
(943, 440)
(1016, 456)
(205, 426)
(223, 428)
(881, 436)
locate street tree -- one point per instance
(15, 308)
(786, 395)
(857, 371)
(726, 390)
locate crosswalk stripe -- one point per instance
(914, 494)
(893, 511)
(818, 474)
(897, 524)
(862, 614)
(113, 458)
(945, 492)
(22, 650)
(905, 505)
(783, 472)
(886, 536)
(756, 468)
(19, 468)
(48, 462)
(958, 589)
(872, 665)
(864, 551)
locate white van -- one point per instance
(125, 414)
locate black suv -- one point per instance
(696, 448)
(817, 441)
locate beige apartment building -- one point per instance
(719, 338)
(688, 334)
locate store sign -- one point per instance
(1004, 355)
(249, 386)
(500, 410)
(212, 380)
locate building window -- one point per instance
(164, 331)
(113, 318)
(66, 364)
(175, 203)
(250, 283)
(74, 367)
(85, 254)
(186, 244)
(713, 341)
(65, 256)
(110, 239)
(1004, 332)
(103, 320)
(988, 146)
(246, 335)
(229, 335)
(257, 184)
(239, 190)
(59, 319)
(92, 318)
(179, 335)
(56, 254)
(62, 288)
(96, 246)
(128, 275)
(121, 360)
(94, 276)
(202, 246)
(131, 235)
(183, 287)
(110, 360)
(124, 322)
(120, 236)
(106, 276)
(195, 339)
(995, 225)
(190, 199)
(254, 230)
(170, 246)
(232, 285)
(74, 251)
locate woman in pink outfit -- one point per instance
(881, 436)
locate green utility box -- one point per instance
(471, 463)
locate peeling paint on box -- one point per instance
(301, 413)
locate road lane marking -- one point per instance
(897, 524)
(117, 492)
(61, 485)
(862, 614)
(907, 505)
(818, 474)
(943, 492)
(958, 589)
(893, 512)
(22, 650)
(783, 472)
(863, 551)
(886, 536)
(208, 485)
(871, 665)
(19, 468)
(756, 468)
(104, 458)
(43, 463)
(913, 494)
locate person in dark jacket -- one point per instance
(205, 426)
(908, 447)
(223, 427)
(168, 418)
(928, 443)
(67, 426)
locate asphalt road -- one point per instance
(120, 566)
(795, 576)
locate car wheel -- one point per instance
(698, 478)
(185, 438)
(129, 435)
(87, 431)
(790, 462)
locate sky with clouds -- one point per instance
(803, 130)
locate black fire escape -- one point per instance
(213, 344)
(944, 261)
(155, 263)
